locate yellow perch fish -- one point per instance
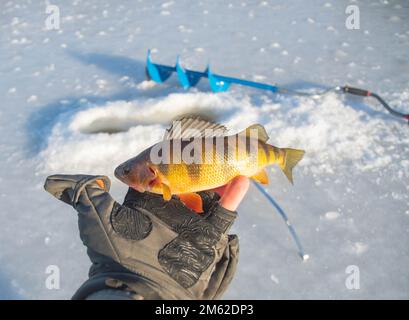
(197, 155)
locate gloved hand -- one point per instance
(148, 247)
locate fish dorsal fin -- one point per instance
(194, 127)
(261, 132)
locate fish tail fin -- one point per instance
(290, 160)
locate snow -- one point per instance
(332, 215)
(76, 100)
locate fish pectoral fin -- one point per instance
(166, 192)
(192, 201)
(261, 177)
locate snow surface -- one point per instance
(75, 100)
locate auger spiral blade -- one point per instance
(216, 82)
(187, 78)
(157, 72)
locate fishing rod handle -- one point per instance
(356, 91)
(366, 93)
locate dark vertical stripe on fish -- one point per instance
(276, 154)
(266, 151)
(194, 172)
(226, 149)
(164, 168)
(214, 149)
(193, 168)
(248, 146)
(171, 151)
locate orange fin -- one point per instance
(166, 192)
(100, 183)
(192, 201)
(261, 177)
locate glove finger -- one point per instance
(65, 187)
(221, 218)
(209, 198)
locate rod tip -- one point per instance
(305, 257)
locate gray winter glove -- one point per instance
(148, 247)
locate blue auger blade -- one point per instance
(283, 215)
(157, 72)
(182, 76)
(194, 76)
(217, 84)
(187, 78)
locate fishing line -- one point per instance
(282, 213)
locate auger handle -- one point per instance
(356, 91)
(366, 93)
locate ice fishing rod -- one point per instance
(282, 213)
(218, 83)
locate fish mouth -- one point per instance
(123, 171)
(123, 178)
(123, 174)
(119, 173)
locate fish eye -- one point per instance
(126, 170)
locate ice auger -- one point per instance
(218, 83)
